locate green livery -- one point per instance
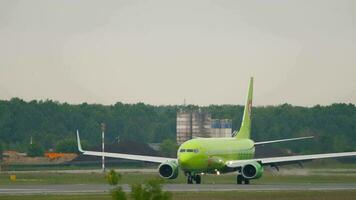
(209, 155)
(245, 130)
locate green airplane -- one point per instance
(200, 156)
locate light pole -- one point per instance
(103, 146)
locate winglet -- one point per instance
(79, 145)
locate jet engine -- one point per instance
(168, 170)
(252, 170)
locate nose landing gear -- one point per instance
(191, 178)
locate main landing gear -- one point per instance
(193, 178)
(241, 179)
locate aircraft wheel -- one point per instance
(197, 179)
(247, 181)
(239, 179)
(189, 179)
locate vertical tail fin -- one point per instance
(245, 130)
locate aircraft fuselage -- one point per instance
(209, 155)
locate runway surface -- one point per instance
(101, 188)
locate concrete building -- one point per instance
(201, 124)
(192, 124)
(221, 128)
(184, 126)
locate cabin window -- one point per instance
(196, 150)
(189, 150)
(182, 150)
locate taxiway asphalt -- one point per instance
(102, 188)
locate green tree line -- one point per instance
(53, 124)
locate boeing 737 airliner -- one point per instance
(220, 155)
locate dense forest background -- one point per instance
(52, 124)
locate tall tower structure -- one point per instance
(184, 126)
(201, 124)
(192, 124)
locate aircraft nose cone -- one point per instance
(184, 160)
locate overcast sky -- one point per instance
(162, 52)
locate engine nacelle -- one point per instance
(168, 170)
(252, 170)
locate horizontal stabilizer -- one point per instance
(283, 140)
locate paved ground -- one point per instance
(101, 188)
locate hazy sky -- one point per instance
(162, 52)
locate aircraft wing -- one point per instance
(283, 140)
(288, 159)
(122, 155)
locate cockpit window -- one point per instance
(189, 150)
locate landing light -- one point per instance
(217, 172)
